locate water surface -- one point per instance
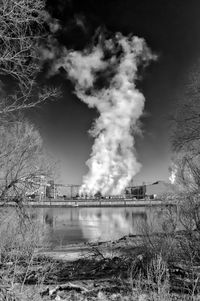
(65, 226)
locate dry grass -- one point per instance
(19, 240)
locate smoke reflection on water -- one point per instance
(64, 226)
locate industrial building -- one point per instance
(48, 189)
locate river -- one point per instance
(66, 226)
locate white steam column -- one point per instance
(113, 161)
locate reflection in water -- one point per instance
(48, 218)
(108, 223)
(64, 226)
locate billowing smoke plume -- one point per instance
(104, 77)
(173, 174)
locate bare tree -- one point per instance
(23, 27)
(185, 140)
(186, 170)
(185, 135)
(186, 120)
(23, 160)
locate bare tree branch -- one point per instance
(23, 27)
(186, 120)
(23, 160)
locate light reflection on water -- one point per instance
(64, 226)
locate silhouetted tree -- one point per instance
(23, 27)
(23, 160)
(186, 120)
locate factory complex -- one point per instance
(49, 190)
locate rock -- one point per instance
(143, 297)
(101, 297)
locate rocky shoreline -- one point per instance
(103, 271)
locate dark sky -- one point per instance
(171, 29)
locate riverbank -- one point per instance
(154, 266)
(117, 275)
(78, 251)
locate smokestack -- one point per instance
(104, 76)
